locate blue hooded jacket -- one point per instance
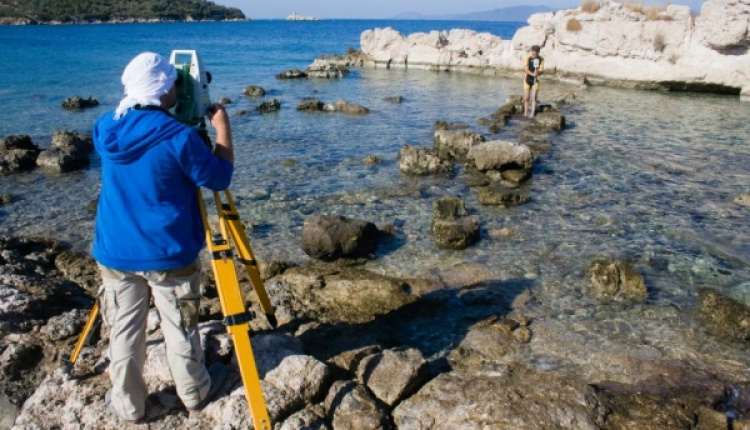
(148, 216)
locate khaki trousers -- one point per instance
(125, 305)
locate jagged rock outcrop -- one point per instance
(69, 151)
(17, 152)
(618, 44)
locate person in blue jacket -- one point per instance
(149, 232)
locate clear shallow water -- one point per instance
(645, 176)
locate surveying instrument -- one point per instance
(192, 103)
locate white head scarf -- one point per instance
(146, 78)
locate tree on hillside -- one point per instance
(107, 10)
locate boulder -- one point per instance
(311, 418)
(498, 397)
(310, 105)
(456, 143)
(273, 105)
(500, 197)
(394, 374)
(331, 295)
(322, 68)
(723, 315)
(78, 103)
(491, 341)
(17, 152)
(394, 99)
(501, 155)
(350, 108)
(329, 238)
(292, 74)
(550, 120)
(417, 160)
(351, 406)
(616, 281)
(254, 91)
(452, 226)
(69, 151)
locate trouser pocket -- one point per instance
(107, 297)
(188, 296)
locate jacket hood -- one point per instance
(126, 139)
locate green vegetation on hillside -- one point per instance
(116, 10)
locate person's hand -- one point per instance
(217, 115)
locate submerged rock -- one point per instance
(743, 199)
(350, 108)
(273, 105)
(723, 315)
(310, 105)
(254, 91)
(78, 103)
(329, 238)
(452, 226)
(292, 74)
(615, 280)
(500, 197)
(416, 160)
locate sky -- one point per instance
(378, 9)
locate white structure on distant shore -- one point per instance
(295, 17)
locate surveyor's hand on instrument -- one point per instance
(220, 122)
(218, 116)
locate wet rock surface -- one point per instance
(254, 91)
(332, 237)
(355, 349)
(615, 280)
(69, 151)
(79, 103)
(452, 226)
(17, 153)
(416, 160)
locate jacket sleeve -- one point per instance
(201, 165)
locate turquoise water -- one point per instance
(645, 176)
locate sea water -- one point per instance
(644, 176)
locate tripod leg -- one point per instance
(246, 257)
(235, 316)
(67, 361)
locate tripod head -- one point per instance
(193, 98)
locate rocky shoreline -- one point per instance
(358, 349)
(611, 44)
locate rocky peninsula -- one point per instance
(607, 43)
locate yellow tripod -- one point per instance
(236, 317)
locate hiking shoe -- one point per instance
(111, 409)
(218, 374)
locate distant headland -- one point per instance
(30, 12)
